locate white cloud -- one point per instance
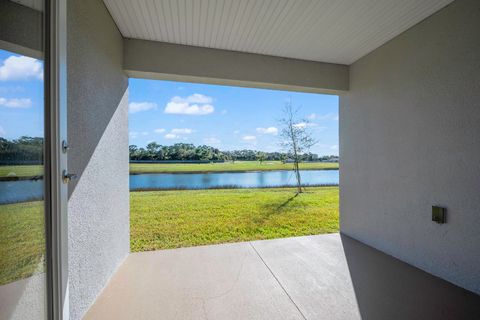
(224, 111)
(269, 130)
(188, 109)
(334, 147)
(181, 131)
(171, 136)
(195, 104)
(134, 107)
(159, 130)
(2, 132)
(16, 103)
(212, 141)
(249, 138)
(236, 132)
(21, 68)
(136, 134)
(178, 133)
(198, 98)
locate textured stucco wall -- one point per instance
(98, 206)
(410, 139)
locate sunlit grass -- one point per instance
(225, 166)
(21, 171)
(22, 240)
(172, 219)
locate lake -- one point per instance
(21, 190)
(257, 179)
(24, 190)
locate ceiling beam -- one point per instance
(21, 29)
(166, 61)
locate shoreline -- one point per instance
(21, 178)
(196, 189)
(135, 173)
(236, 187)
(224, 171)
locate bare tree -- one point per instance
(296, 138)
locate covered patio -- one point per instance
(328, 276)
(407, 77)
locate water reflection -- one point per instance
(20, 191)
(231, 179)
(25, 190)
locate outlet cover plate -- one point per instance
(439, 214)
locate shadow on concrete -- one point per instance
(387, 288)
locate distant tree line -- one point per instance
(27, 150)
(189, 152)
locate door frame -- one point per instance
(55, 160)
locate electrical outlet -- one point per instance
(439, 214)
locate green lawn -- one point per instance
(226, 166)
(22, 240)
(21, 171)
(172, 219)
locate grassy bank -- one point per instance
(238, 166)
(137, 168)
(171, 219)
(22, 240)
(21, 171)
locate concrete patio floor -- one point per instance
(315, 277)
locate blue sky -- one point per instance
(169, 112)
(225, 117)
(21, 96)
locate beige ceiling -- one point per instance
(336, 31)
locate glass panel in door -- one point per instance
(22, 216)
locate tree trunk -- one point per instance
(297, 175)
